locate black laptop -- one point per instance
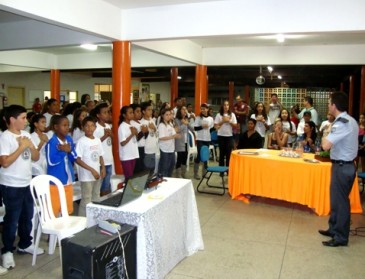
(133, 189)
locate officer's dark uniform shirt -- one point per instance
(344, 138)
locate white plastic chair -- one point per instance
(57, 227)
(37, 169)
(192, 149)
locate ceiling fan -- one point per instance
(260, 80)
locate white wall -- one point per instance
(162, 88)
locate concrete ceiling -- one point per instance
(20, 31)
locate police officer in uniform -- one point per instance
(342, 141)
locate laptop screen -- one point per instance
(135, 186)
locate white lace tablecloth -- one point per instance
(168, 226)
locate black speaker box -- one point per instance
(91, 254)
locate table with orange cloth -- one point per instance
(290, 179)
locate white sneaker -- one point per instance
(3, 270)
(30, 250)
(8, 260)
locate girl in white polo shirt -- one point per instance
(262, 121)
(203, 124)
(167, 135)
(224, 121)
(127, 138)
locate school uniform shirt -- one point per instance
(203, 134)
(48, 117)
(70, 118)
(106, 144)
(60, 163)
(89, 151)
(260, 127)
(286, 127)
(166, 130)
(150, 143)
(19, 173)
(138, 125)
(42, 162)
(130, 150)
(77, 134)
(226, 129)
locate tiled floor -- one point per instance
(264, 239)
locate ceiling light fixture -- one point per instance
(89, 46)
(178, 77)
(260, 80)
(270, 69)
(280, 38)
(280, 77)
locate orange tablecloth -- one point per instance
(290, 179)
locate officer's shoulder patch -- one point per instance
(343, 120)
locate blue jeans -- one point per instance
(19, 209)
(166, 164)
(105, 185)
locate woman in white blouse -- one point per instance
(202, 126)
(262, 121)
(224, 121)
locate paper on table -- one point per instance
(311, 160)
(248, 152)
(155, 196)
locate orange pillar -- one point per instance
(121, 95)
(231, 93)
(362, 91)
(174, 84)
(201, 87)
(55, 84)
(351, 94)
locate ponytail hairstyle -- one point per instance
(123, 112)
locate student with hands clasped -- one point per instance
(90, 159)
(203, 125)
(61, 155)
(104, 132)
(167, 134)
(262, 121)
(127, 138)
(224, 122)
(16, 152)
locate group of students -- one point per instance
(53, 153)
(52, 147)
(285, 128)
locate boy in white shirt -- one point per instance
(103, 131)
(90, 159)
(16, 152)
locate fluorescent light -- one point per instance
(89, 46)
(280, 77)
(270, 69)
(280, 38)
(178, 77)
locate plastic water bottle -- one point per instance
(299, 149)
